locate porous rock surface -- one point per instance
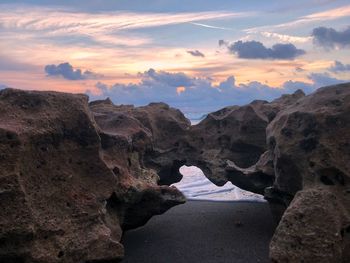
(74, 175)
(67, 186)
(235, 136)
(310, 145)
(308, 154)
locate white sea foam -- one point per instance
(196, 186)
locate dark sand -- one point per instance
(204, 232)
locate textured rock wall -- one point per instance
(235, 137)
(294, 148)
(74, 175)
(67, 186)
(308, 158)
(310, 142)
(129, 137)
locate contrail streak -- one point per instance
(213, 27)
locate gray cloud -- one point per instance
(256, 50)
(223, 43)
(339, 67)
(67, 71)
(196, 53)
(200, 94)
(3, 86)
(324, 79)
(331, 38)
(152, 77)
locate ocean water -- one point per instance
(196, 186)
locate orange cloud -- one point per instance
(179, 90)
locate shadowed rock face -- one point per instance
(68, 187)
(310, 142)
(235, 136)
(308, 156)
(155, 130)
(74, 175)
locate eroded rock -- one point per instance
(67, 186)
(232, 139)
(132, 138)
(310, 145)
(74, 175)
(308, 156)
(314, 228)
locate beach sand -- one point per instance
(205, 232)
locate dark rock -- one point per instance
(74, 175)
(313, 166)
(233, 139)
(67, 186)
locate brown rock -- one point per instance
(73, 176)
(308, 155)
(314, 228)
(310, 145)
(235, 137)
(67, 186)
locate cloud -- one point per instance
(67, 71)
(331, 38)
(193, 94)
(223, 43)
(152, 77)
(196, 53)
(339, 67)
(323, 79)
(10, 64)
(2, 86)
(299, 69)
(109, 28)
(317, 80)
(285, 37)
(256, 50)
(292, 86)
(68, 21)
(331, 14)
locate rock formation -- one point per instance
(74, 175)
(308, 153)
(67, 186)
(235, 136)
(310, 142)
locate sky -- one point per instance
(196, 55)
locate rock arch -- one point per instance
(79, 172)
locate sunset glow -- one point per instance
(116, 43)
